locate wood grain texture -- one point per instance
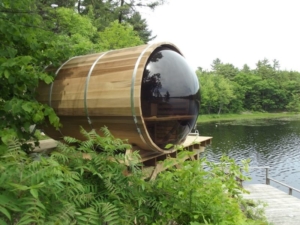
(112, 94)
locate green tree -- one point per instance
(250, 90)
(294, 103)
(209, 94)
(217, 92)
(227, 70)
(32, 38)
(105, 12)
(237, 103)
(264, 68)
(118, 36)
(125, 8)
(276, 65)
(141, 27)
(215, 64)
(23, 57)
(266, 88)
(246, 69)
(225, 92)
(102, 13)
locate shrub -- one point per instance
(201, 192)
(95, 182)
(76, 184)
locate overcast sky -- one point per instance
(236, 31)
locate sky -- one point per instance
(236, 31)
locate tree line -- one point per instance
(267, 88)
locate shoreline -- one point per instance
(206, 118)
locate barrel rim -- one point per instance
(147, 52)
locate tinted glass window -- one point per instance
(170, 97)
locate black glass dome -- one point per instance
(170, 97)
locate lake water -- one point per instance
(273, 142)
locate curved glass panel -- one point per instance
(170, 97)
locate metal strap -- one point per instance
(132, 93)
(57, 71)
(51, 86)
(87, 85)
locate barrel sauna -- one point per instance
(147, 94)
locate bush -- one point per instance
(201, 192)
(95, 182)
(74, 185)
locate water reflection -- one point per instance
(274, 143)
(169, 96)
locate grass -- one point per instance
(245, 116)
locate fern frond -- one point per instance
(83, 199)
(91, 188)
(87, 146)
(14, 151)
(71, 140)
(26, 219)
(111, 188)
(106, 132)
(91, 135)
(5, 212)
(59, 156)
(88, 216)
(108, 212)
(64, 214)
(65, 148)
(34, 211)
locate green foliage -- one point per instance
(266, 88)
(103, 13)
(95, 182)
(119, 36)
(201, 192)
(294, 104)
(141, 27)
(33, 37)
(73, 185)
(216, 92)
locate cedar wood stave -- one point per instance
(108, 95)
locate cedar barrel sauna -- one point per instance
(147, 94)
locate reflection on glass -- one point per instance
(169, 96)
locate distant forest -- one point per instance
(227, 89)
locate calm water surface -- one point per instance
(273, 142)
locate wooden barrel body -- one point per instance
(118, 89)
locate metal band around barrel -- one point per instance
(87, 85)
(57, 71)
(51, 87)
(132, 93)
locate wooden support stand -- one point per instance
(153, 162)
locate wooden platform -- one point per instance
(192, 143)
(45, 145)
(152, 161)
(282, 209)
